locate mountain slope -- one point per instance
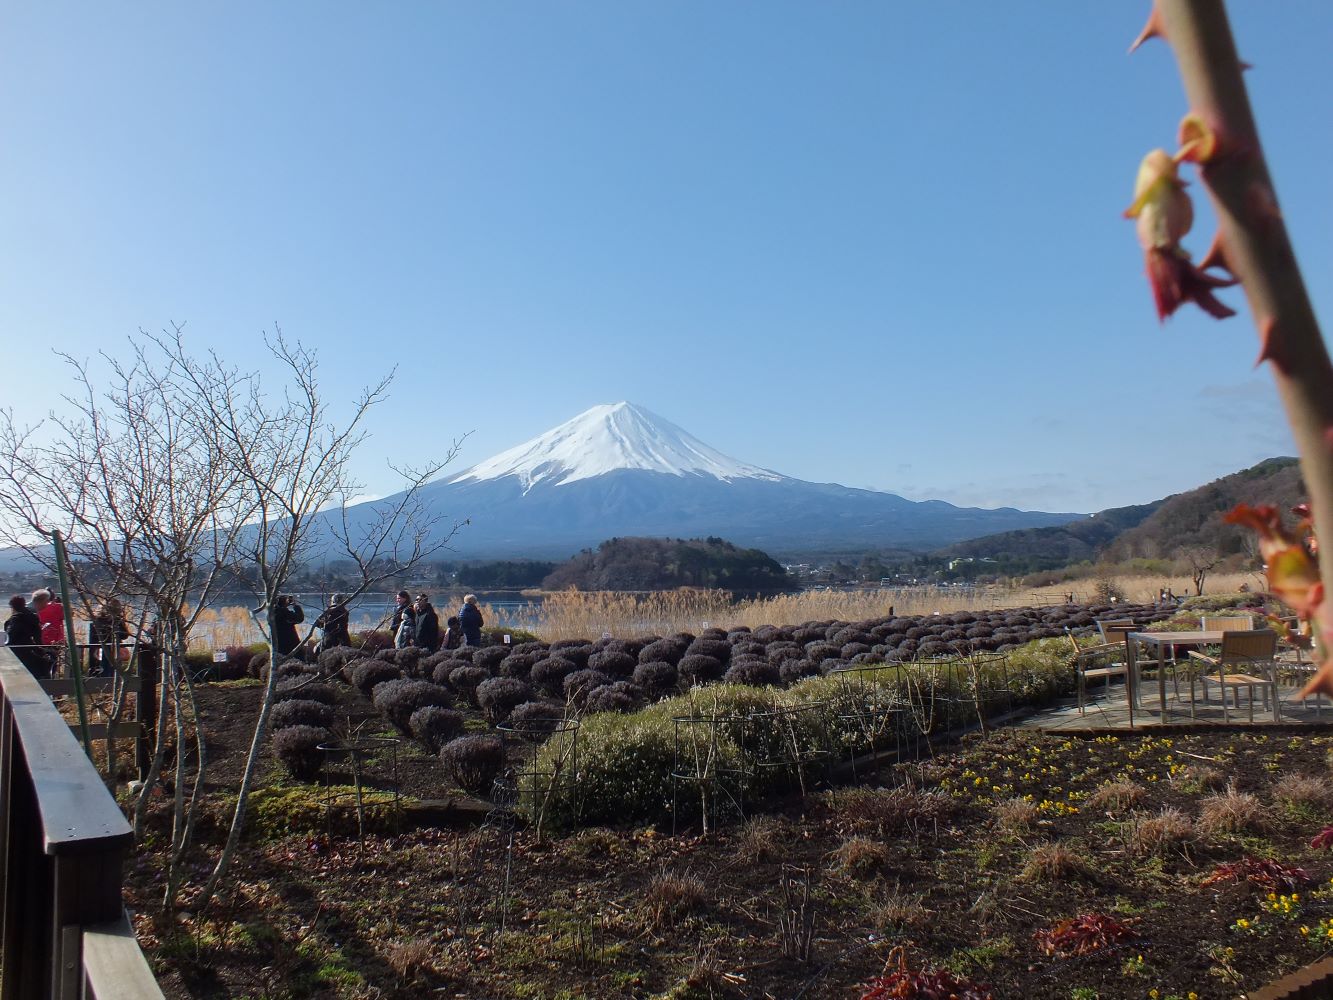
(1157, 530)
(619, 470)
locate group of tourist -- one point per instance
(415, 623)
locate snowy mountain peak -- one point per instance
(609, 438)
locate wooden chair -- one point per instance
(1096, 663)
(1226, 623)
(1121, 625)
(1250, 652)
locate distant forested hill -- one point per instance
(665, 563)
(1162, 529)
(1194, 519)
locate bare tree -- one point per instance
(135, 479)
(292, 460)
(1201, 559)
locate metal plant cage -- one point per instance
(788, 744)
(556, 739)
(706, 761)
(868, 715)
(354, 755)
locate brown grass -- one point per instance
(1304, 790)
(1204, 777)
(881, 812)
(861, 856)
(1016, 816)
(760, 840)
(669, 896)
(1169, 829)
(1232, 812)
(902, 911)
(1052, 863)
(1116, 797)
(409, 957)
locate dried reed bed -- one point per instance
(575, 614)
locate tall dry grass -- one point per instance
(578, 615)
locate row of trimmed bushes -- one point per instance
(625, 761)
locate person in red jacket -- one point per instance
(51, 613)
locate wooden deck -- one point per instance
(1111, 713)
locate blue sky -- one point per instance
(876, 243)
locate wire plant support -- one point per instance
(541, 786)
(706, 760)
(355, 754)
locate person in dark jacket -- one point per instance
(470, 620)
(23, 631)
(286, 616)
(453, 634)
(108, 632)
(403, 613)
(428, 625)
(334, 623)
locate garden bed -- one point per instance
(963, 859)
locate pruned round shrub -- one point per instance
(850, 649)
(613, 663)
(297, 748)
(498, 696)
(535, 719)
(441, 671)
(531, 647)
(371, 673)
(518, 665)
(400, 698)
(656, 678)
(747, 647)
(300, 712)
(578, 683)
(434, 726)
(754, 672)
(620, 696)
(331, 661)
(429, 663)
(779, 651)
(258, 664)
(306, 689)
(792, 671)
(410, 660)
(695, 670)
(549, 674)
(473, 761)
(668, 650)
(465, 679)
(718, 649)
(490, 657)
(576, 651)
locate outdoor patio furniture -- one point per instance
(1252, 653)
(1097, 663)
(1226, 623)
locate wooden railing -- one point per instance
(63, 928)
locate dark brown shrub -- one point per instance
(619, 696)
(498, 696)
(298, 712)
(695, 670)
(757, 673)
(297, 748)
(656, 678)
(536, 719)
(613, 664)
(434, 726)
(549, 674)
(371, 673)
(465, 679)
(400, 698)
(307, 689)
(473, 761)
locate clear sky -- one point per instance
(871, 242)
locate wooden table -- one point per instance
(1160, 641)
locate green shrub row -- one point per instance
(744, 735)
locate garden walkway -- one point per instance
(1111, 713)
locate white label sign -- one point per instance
(219, 656)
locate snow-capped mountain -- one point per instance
(618, 470)
(609, 438)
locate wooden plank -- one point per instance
(98, 730)
(92, 685)
(78, 814)
(114, 964)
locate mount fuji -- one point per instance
(618, 470)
